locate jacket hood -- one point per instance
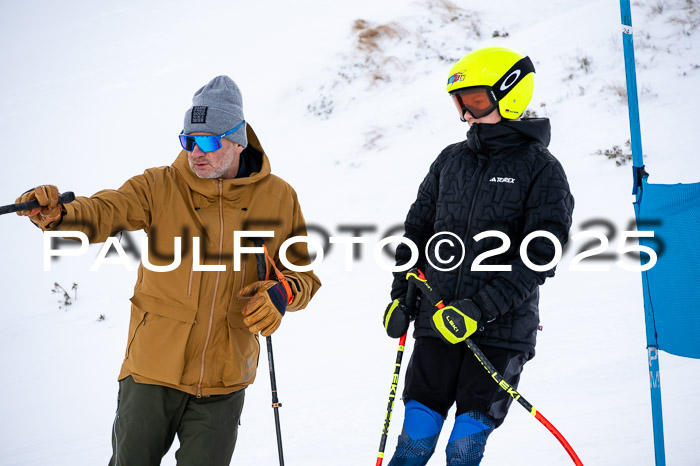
(253, 156)
(508, 134)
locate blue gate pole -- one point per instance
(632, 101)
(656, 412)
(638, 173)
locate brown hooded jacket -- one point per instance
(186, 329)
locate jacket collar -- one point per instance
(256, 162)
(508, 135)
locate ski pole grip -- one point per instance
(411, 298)
(64, 198)
(417, 277)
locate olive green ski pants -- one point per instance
(149, 416)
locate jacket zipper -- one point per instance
(242, 279)
(216, 289)
(469, 219)
(142, 323)
(189, 282)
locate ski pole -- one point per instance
(262, 275)
(64, 198)
(416, 276)
(410, 300)
(276, 405)
(392, 395)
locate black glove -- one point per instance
(396, 319)
(400, 312)
(457, 321)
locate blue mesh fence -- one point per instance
(672, 286)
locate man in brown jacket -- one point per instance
(193, 337)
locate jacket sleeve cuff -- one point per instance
(294, 288)
(489, 311)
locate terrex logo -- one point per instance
(498, 179)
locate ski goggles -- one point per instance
(479, 101)
(482, 100)
(205, 142)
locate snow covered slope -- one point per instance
(93, 93)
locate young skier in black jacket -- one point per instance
(502, 178)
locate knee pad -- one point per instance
(421, 429)
(468, 439)
(421, 421)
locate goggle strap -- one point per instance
(512, 77)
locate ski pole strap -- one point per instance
(280, 277)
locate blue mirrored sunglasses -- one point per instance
(205, 142)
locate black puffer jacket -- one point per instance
(501, 178)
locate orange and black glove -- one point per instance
(50, 210)
(267, 305)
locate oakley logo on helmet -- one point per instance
(513, 76)
(508, 82)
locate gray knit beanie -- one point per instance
(217, 108)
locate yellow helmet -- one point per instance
(489, 78)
